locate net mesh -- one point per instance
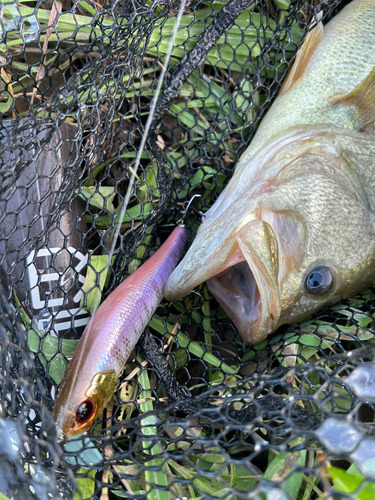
(198, 414)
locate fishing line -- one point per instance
(149, 122)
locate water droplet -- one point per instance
(257, 447)
(364, 456)
(338, 435)
(10, 440)
(30, 28)
(362, 381)
(270, 492)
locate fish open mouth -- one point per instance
(237, 291)
(241, 269)
(248, 288)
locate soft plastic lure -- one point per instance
(92, 375)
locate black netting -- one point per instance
(198, 413)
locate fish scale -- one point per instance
(328, 75)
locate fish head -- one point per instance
(79, 405)
(289, 245)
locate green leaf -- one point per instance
(358, 316)
(47, 347)
(343, 481)
(153, 477)
(309, 340)
(24, 317)
(96, 276)
(350, 481)
(306, 339)
(151, 177)
(85, 485)
(98, 196)
(88, 7)
(213, 487)
(134, 213)
(241, 479)
(5, 106)
(213, 458)
(201, 175)
(283, 4)
(194, 347)
(56, 367)
(211, 466)
(282, 467)
(50, 345)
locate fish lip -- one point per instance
(175, 286)
(182, 281)
(212, 258)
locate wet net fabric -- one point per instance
(198, 414)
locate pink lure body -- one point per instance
(112, 334)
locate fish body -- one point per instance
(294, 230)
(112, 333)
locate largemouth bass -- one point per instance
(294, 230)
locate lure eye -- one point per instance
(85, 411)
(319, 280)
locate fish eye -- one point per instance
(85, 411)
(319, 280)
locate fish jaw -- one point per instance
(214, 250)
(241, 273)
(249, 291)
